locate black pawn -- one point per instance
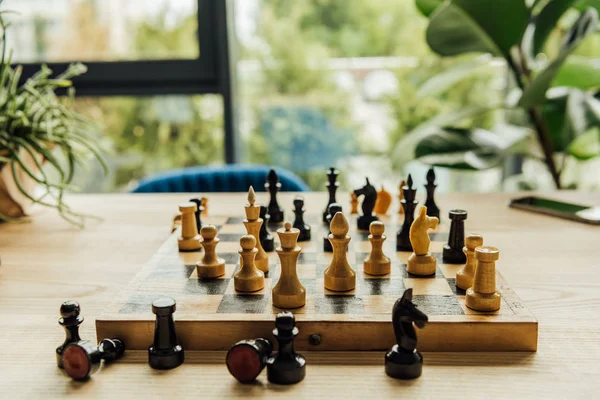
(453, 251)
(333, 209)
(287, 366)
(246, 359)
(265, 237)
(299, 223)
(408, 204)
(70, 320)
(198, 212)
(83, 358)
(403, 361)
(165, 353)
(432, 208)
(332, 186)
(273, 186)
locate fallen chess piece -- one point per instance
(165, 352)
(246, 359)
(286, 367)
(403, 361)
(82, 359)
(70, 319)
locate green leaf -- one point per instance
(546, 21)
(472, 149)
(583, 4)
(535, 93)
(578, 72)
(448, 78)
(462, 26)
(427, 7)
(586, 146)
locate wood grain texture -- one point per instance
(47, 262)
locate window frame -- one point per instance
(210, 73)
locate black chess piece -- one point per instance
(83, 358)
(453, 251)
(70, 319)
(265, 237)
(432, 208)
(246, 359)
(165, 353)
(408, 204)
(299, 223)
(198, 212)
(287, 366)
(367, 206)
(333, 209)
(403, 361)
(273, 186)
(332, 186)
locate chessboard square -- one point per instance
(439, 237)
(306, 257)
(339, 305)
(450, 270)
(234, 221)
(182, 272)
(432, 286)
(363, 246)
(191, 305)
(243, 304)
(310, 248)
(229, 237)
(438, 305)
(190, 257)
(436, 247)
(236, 229)
(378, 304)
(401, 256)
(206, 286)
(380, 287)
(230, 258)
(456, 290)
(139, 303)
(228, 247)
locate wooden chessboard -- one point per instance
(212, 316)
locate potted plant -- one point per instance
(552, 105)
(42, 140)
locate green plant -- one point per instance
(36, 124)
(554, 90)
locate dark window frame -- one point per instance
(209, 74)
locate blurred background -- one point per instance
(313, 84)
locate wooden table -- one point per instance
(48, 261)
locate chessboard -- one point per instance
(212, 316)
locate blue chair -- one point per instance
(222, 178)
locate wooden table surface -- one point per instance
(553, 264)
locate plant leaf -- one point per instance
(448, 78)
(583, 4)
(535, 93)
(462, 26)
(578, 72)
(427, 7)
(472, 149)
(546, 21)
(586, 146)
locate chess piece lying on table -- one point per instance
(286, 367)
(376, 262)
(247, 358)
(421, 262)
(70, 319)
(189, 239)
(403, 361)
(82, 359)
(288, 292)
(483, 296)
(339, 277)
(165, 352)
(211, 265)
(367, 206)
(464, 277)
